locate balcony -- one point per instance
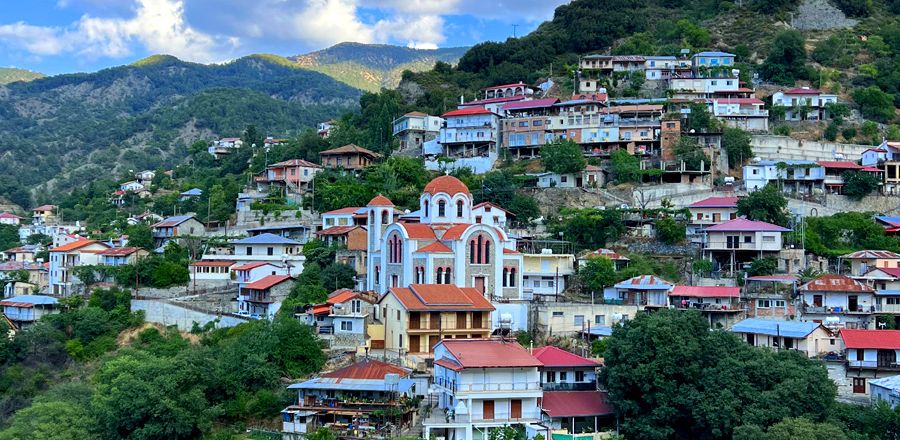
(441, 417)
(569, 386)
(822, 310)
(705, 307)
(881, 365)
(454, 387)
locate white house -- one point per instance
(484, 384)
(797, 98)
(262, 299)
(839, 301)
(809, 338)
(735, 242)
(708, 212)
(342, 320)
(63, 259)
(744, 113)
(10, 219)
(642, 291)
(886, 390)
(470, 138)
(269, 248)
(218, 270)
(353, 215)
(792, 176)
(591, 177)
(870, 354)
(415, 128)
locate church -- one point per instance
(449, 240)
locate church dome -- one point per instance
(380, 200)
(446, 184)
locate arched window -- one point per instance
(478, 249)
(459, 208)
(487, 251)
(426, 208)
(512, 277)
(372, 217)
(505, 276)
(442, 208)
(447, 276)
(398, 257)
(440, 276)
(385, 217)
(472, 251)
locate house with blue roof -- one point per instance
(811, 338)
(886, 389)
(24, 310)
(803, 177)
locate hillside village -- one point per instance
(624, 251)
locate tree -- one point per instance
(597, 274)
(791, 428)
(697, 372)
(763, 266)
(700, 119)
(670, 231)
(625, 167)
(589, 228)
(874, 103)
(690, 151)
(845, 232)
(140, 235)
(858, 184)
(338, 276)
(736, 143)
(831, 131)
(849, 133)
(786, 61)
(563, 157)
(52, 420)
(9, 237)
(766, 204)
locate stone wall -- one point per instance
(787, 148)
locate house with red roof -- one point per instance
(342, 320)
(709, 211)
(870, 354)
(804, 104)
(349, 216)
(261, 299)
(577, 411)
(863, 261)
(44, 215)
(838, 301)
(733, 243)
(349, 157)
(368, 395)
(415, 128)
(620, 261)
(121, 256)
(484, 384)
(565, 371)
(642, 291)
(81, 252)
(290, 177)
(720, 305)
(10, 219)
(246, 273)
(417, 317)
(470, 137)
(834, 173)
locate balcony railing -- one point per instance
(822, 310)
(569, 386)
(490, 387)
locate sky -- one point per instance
(61, 36)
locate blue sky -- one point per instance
(60, 36)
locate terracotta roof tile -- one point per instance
(489, 353)
(343, 211)
(835, 283)
(75, 245)
(118, 252)
(446, 184)
(349, 148)
(716, 202)
(877, 339)
(380, 200)
(268, 282)
(576, 404)
(436, 247)
(438, 297)
(455, 232)
(418, 231)
(556, 357)
(367, 369)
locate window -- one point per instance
(563, 178)
(347, 326)
(537, 123)
(249, 250)
(439, 276)
(426, 208)
(447, 276)
(505, 277)
(563, 376)
(398, 318)
(579, 320)
(768, 239)
(600, 319)
(459, 208)
(558, 314)
(442, 208)
(748, 239)
(713, 83)
(551, 376)
(270, 251)
(523, 123)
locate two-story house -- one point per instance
(415, 128)
(342, 319)
(770, 296)
(565, 371)
(176, 226)
(349, 157)
(44, 215)
(810, 338)
(526, 127)
(349, 216)
(804, 104)
(643, 291)
(353, 248)
(731, 244)
(870, 354)
(803, 177)
(417, 317)
(861, 262)
(470, 137)
(368, 394)
(708, 212)
(720, 305)
(744, 113)
(261, 299)
(484, 384)
(121, 256)
(25, 310)
(838, 300)
(571, 399)
(291, 176)
(267, 248)
(63, 259)
(834, 173)
(546, 273)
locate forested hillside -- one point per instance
(8, 75)
(373, 66)
(68, 129)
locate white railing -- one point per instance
(863, 364)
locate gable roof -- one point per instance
(488, 353)
(556, 357)
(267, 238)
(440, 297)
(802, 91)
(8, 215)
(341, 296)
(367, 369)
(744, 225)
(455, 232)
(268, 282)
(171, 222)
(44, 208)
(119, 251)
(645, 282)
(418, 231)
(871, 255)
(716, 202)
(835, 283)
(77, 244)
(706, 291)
(251, 266)
(436, 247)
(349, 148)
(295, 163)
(840, 165)
(884, 339)
(492, 206)
(344, 211)
(771, 327)
(576, 404)
(473, 110)
(28, 301)
(338, 230)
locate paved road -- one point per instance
(170, 314)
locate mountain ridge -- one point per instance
(11, 74)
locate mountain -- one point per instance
(9, 74)
(67, 129)
(373, 66)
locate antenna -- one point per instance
(515, 26)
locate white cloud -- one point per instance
(36, 40)
(329, 21)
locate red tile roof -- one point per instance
(418, 231)
(415, 114)
(380, 200)
(251, 266)
(489, 353)
(119, 252)
(320, 309)
(8, 215)
(802, 91)
(744, 225)
(556, 357)
(877, 339)
(835, 283)
(341, 296)
(470, 111)
(75, 245)
(510, 251)
(215, 263)
(343, 211)
(576, 404)
(439, 297)
(706, 291)
(369, 369)
(871, 255)
(455, 232)
(446, 184)
(349, 148)
(716, 202)
(840, 165)
(44, 208)
(436, 247)
(337, 230)
(295, 163)
(267, 282)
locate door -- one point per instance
(852, 303)
(414, 344)
(579, 182)
(479, 284)
(432, 341)
(817, 300)
(414, 321)
(488, 409)
(476, 320)
(717, 217)
(515, 409)
(751, 339)
(859, 385)
(460, 320)
(886, 358)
